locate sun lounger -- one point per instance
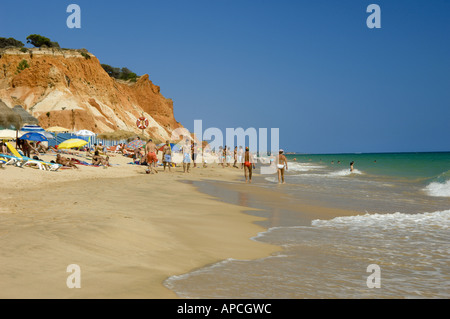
(13, 150)
(45, 166)
(22, 161)
(13, 160)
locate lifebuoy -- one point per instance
(142, 123)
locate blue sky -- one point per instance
(311, 68)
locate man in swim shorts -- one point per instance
(281, 166)
(248, 165)
(167, 155)
(150, 154)
(186, 156)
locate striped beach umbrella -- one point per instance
(36, 129)
(135, 144)
(34, 136)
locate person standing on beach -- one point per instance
(167, 155)
(281, 166)
(186, 149)
(220, 155)
(194, 153)
(225, 156)
(26, 147)
(240, 155)
(351, 166)
(150, 154)
(235, 156)
(248, 165)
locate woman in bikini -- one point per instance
(281, 166)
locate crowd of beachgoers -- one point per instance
(186, 153)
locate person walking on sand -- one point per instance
(281, 166)
(235, 155)
(225, 157)
(167, 155)
(186, 149)
(150, 154)
(241, 156)
(26, 147)
(194, 153)
(248, 165)
(220, 155)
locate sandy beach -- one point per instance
(208, 234)
(128, 231)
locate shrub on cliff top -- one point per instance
(39, 41)
(86, 55)
(122, 74)
(10, 42)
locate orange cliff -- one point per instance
(63, 88)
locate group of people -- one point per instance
(238, 158)
(29, 147)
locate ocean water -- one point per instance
(401, 224)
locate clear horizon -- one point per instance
(311, 68)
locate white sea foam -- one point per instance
(438, 189)
(272, 179)
(436, 220)
(345, 172)
(302, 167)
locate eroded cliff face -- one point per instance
(63, 88)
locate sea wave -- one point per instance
(345, 172)
(302, 167)
(437, 189)
(435, 220)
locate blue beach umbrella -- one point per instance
(36, 129)
(34, 136)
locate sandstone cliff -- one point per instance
(64, 88)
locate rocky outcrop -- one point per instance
(65, 88)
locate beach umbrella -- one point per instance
(135, 144)
(57, 129)
(27, 118)
(85, 133)
(34, 136)
(8, 118)
(72, 143)
(37, 129)
(8, 134)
